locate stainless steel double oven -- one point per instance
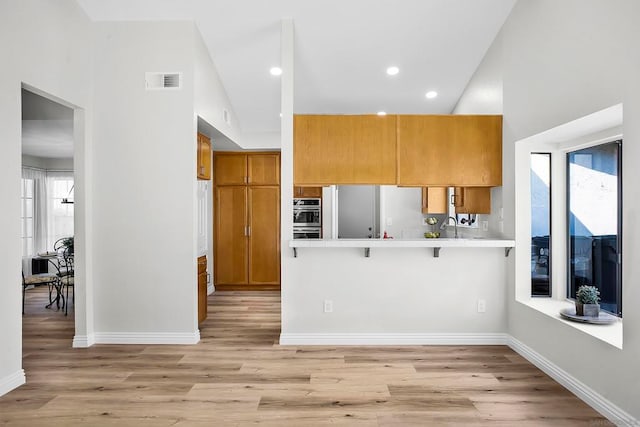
(307, 218)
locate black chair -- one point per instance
(65, 275)
(67, 278)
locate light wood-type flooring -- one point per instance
(239, 375)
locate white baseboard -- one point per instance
(394, 339)
(612, 412)
(12, 381)
(147, 337)
(83, 341)
(210, 288)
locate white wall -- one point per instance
(483, 94)
(261, 140)
(561, 61)
(145, 187)
(54, 59)
(395, 291)
(210, 95)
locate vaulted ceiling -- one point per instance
(342, 50)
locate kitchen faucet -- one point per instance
(455, 226)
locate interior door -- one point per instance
(231, 230)
(264, 239)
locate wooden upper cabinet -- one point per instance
(247, 169)
(451, 150)
(229, 168)
(434, 200)
(478, 142)
(307, 192)
(204, 157)
(339, 149)
(263, 169)
(472, 200)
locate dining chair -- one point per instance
(67, 278)
(38, 279)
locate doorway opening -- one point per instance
(48, 219)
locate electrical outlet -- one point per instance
(389, 221)
(482, 306)
(485, 225)
(328, 306)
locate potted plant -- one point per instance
(67, 243)
(587, 298)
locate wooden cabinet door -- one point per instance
(472, 200)
(434, 200)
(478, 150)
(307, 192)
(231, 240)
(264, 239)
(230, 168)
(424, 155)
(202, 288)
(449, 150)
(264, 169)
(332, 149)
(204, 157)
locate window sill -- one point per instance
(611, 334)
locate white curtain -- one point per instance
(60, 216)
(40, 208)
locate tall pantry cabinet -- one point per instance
(247, 220)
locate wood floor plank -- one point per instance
(238, 375)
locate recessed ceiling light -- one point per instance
(431, 94)
(280, 114)
(275, 71)
(382, 113)
(392, 71)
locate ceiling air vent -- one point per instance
(163, 81)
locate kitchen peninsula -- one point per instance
(410, 289)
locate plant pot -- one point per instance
(591, 310)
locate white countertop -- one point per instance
(403, 243)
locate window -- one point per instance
(27, 217)
(60, 214)
(594, 202)
(540, 224)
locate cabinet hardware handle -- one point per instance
(249, 231)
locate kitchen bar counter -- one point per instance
(436, 244)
